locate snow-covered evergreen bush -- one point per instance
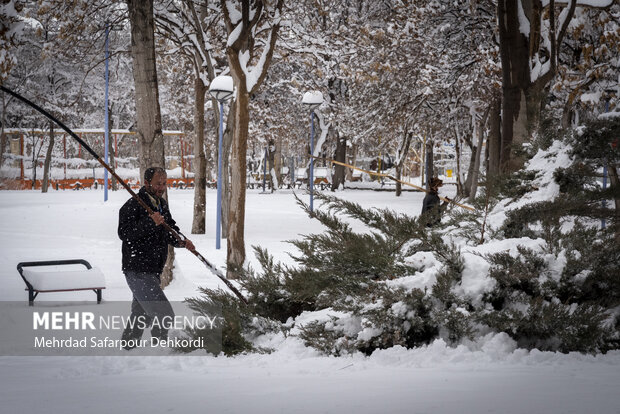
(565, 296)
(531, 261)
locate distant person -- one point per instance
(431, 206)
(145, 249)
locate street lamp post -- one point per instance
(313, 100)
(106, 140)
(107, 116)
(221, 88)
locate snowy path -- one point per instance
(281, 383)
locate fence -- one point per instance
(70, 167)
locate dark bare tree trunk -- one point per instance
(352, 161)
(196, 48)
(200, 161)
(227, 144)
(251, 15)
(48, 160)
(236, 218)
(3, 144)
(457, 146)
(340, 156)
(148, 113)
(514, 53)
(466, 188)
(478, 155)
(470, 171)
(277, 161)
(271, 157)
(525, 90)
(494, 139)
(399, 177)
(401, 158)
(35, 159)
(3, 137)
(479, 128)
(430, 163)
(34, 165)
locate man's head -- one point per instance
(435, 183)
(155, 181)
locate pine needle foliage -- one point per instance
(277, 292)
(382, 318)
(384, 315)
(575, 310)
(593, 146)
(572, 306)
(352, 263)
(592, 268)
(515, 185)
(349, 272)
(473, 225)
(598, 140)
(551, 325)
(520, 273)
(324, 338)
(343, 262)
(238, 323)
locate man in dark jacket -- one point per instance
(431, 206)
(145, 249)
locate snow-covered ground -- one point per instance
(490, 376)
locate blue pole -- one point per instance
(218, 224)
(603, 221)
(311, 179)
(106, 129)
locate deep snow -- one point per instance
(488, 376)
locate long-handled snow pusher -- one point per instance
(178, 235)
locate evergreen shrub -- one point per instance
(563, 295)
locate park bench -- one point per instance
(60, 280)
